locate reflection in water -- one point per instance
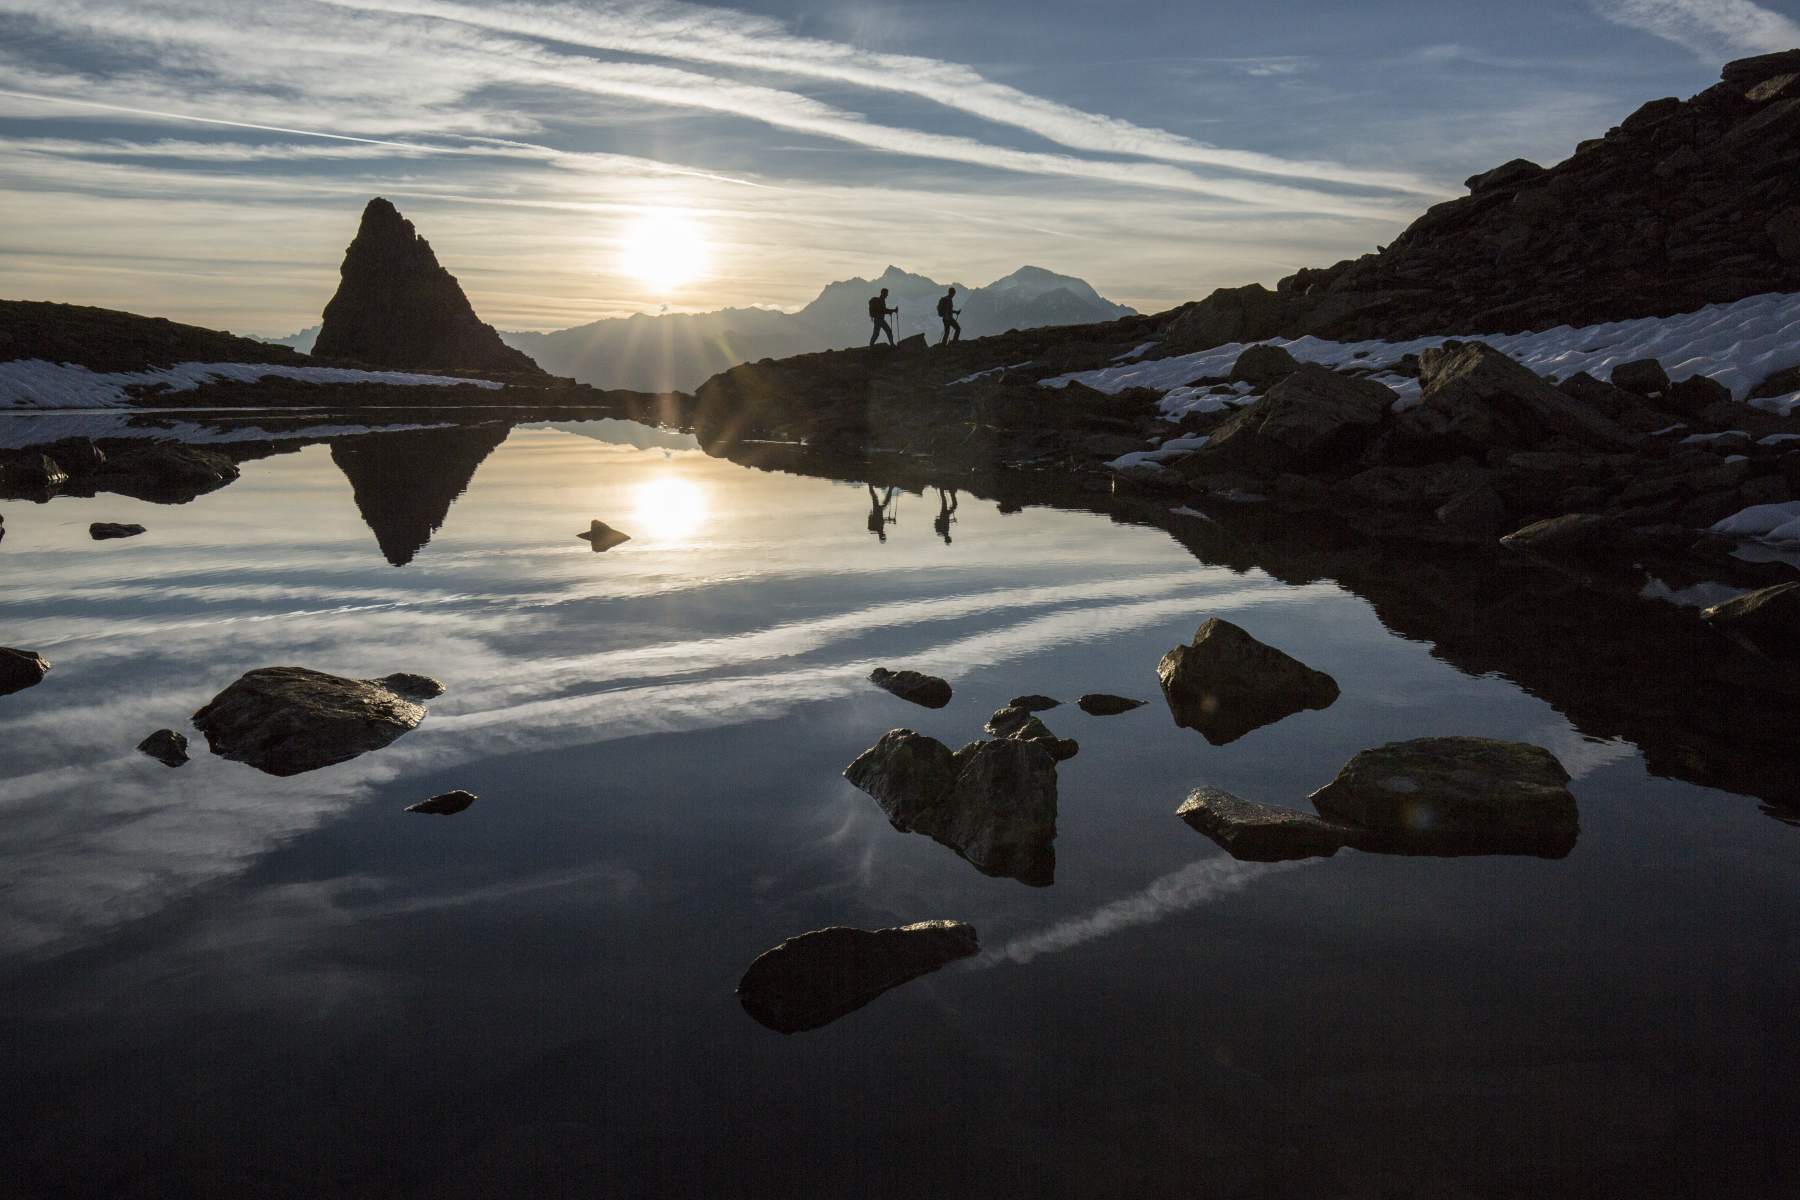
(404, 483)
(671, 509)
(946, 514)
(879, 517)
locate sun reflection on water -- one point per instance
(670, 509)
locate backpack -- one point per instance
(877, 309)
(944, 309)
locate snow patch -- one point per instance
(1179, 447)
(1136, 352)
(35, 383)
(1769, 522)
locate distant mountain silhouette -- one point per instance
(404, 482)
(302, 341)
(680, 351)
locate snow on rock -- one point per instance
(1769, 522)
(34, 383)
(1701, 439)
(993, 372)
(1135, 353)
(1178, 447)
(1738, 345)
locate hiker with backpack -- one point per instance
(879, 312)
(946, 309)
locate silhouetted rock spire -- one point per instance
(396, 307)
(404, 483)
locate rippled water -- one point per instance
(221, 983)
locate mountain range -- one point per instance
(680, 351)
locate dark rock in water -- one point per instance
(603, 536)
(1313, 417)
(405, 482)
(29, 474)
(1033, 703)
(1226, 683)
(1641, 377)
(164, 472)
(814, 979)
(396, 307)
(1769, 618)
(994, 803)
(417, 688)
(286, 720)
(1581, 535)
(1024, 726)
(20, 669)
(1456, 795)
(1263, 366)
(1262, 833)
(926, 690)
(446, 805)
(1101, 704)
(102, 531)
(166, 747)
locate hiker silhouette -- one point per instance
(879, 313)
(878, 512)
(948, 311)
(946, 514)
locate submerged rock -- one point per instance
(20, 669)
(1226, 683)
(417, 688)
(812, 980)
(286, 720)
(1033, 703)
(102, 531)
(1456, 795)
(994, 803)
(166, 747)
(1769, 618)
(1101, 704)
(603, 536)
(1024, 726)
(926, 690)
(1260, 832)
(446, 805)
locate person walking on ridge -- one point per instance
(949, 313)
(879, 312)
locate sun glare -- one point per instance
(670, 509)
(664, 250)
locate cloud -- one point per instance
(1713, 29)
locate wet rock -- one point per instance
(20, 669)
(446, 805)
(994, 803)
(1024, 726)
(1641, 377)
(417, 688)
(1261, 832)
(1102, 704)
(1314, 417)
(166, 747)
(1225, 683)
(164, 472)
(102, 531)
(812, 980)
(927, 691)
(1768, 618)
(1579, 535)
(1033, 703)
(1456, 795)
(603, 536)
(286, 720)
(1263, 366)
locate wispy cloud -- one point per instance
(1712, 29)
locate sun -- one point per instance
(664, 250)
(670, 509)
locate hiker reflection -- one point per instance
(946, 514)
(879, 313)
(879, 519)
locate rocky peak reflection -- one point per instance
(405, 481)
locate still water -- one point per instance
(220, 983)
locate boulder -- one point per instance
(417, 688)
(1694, 395)
(447, 804)
(1313, 418)
(1263, 366)
(20, 669)
(912, 344)
(1225, 683)
(1479, 512)
(166, 747)
(1572, 535)
(1510, 174)
(1474, 399)
(286, 720)
(1024, 726)
(1456, 795)
(1641, 377)
(927, 691)
(1033, 702)
(603, 536)
(1262, 833)
(102, 531)
(909, 774)
(164, 472)
(812, 980)
(29, 474)
(1103, 704)
(1768, 618)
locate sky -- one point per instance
(569, 160)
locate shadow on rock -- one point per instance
(812, 980)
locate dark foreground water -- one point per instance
(218, 983)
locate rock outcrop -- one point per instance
(927, 691)
(1261, 832)
(166, 747)
(1225, 683)
(287, 720)
(603, 537)
(396, 307)
(1022, 725)
(1104, 704)
(814, 979)
(1312, 417)
(20, 669)
(106, 531)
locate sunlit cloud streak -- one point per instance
(1713, 29)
